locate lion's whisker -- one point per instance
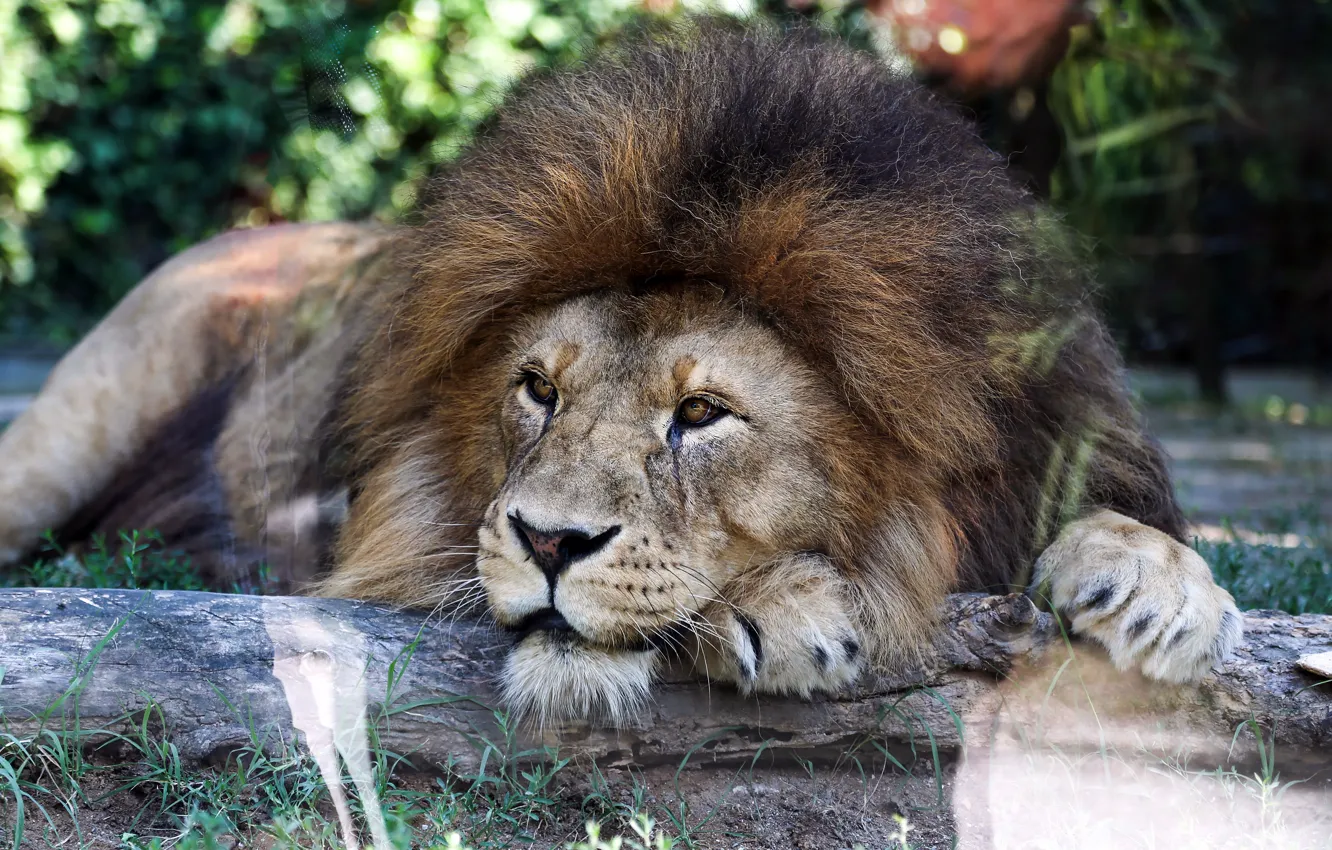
(434, 555)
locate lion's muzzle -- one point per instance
(553, 551)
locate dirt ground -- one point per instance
(784, 808)
(821, 809)
(1021, 799)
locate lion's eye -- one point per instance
(541, 390)
(699, 411)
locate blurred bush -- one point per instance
(1194, 133)
(1198, 152)
(130, 129)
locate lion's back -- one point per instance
(224, 467)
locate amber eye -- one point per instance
(542, 391)
(699, 411)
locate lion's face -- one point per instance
(655, 448)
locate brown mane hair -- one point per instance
(854, 212)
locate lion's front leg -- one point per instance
(783, 630)
(1149, 599)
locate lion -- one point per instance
(727, 347)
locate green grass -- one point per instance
(136, 560)
(272, 794)
(262, 798)
(1295, 579)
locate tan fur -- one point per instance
(811, 640)
(201, 316)
(920, 398)
(1149, 599)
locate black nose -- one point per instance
(555, 550)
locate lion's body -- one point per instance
(908, 390)
(197, 406)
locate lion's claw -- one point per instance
(1149, 599)
(794, 636)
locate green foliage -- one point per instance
(1157, 96)
(1138, 98)
(1128, 94)
(1268, 572)
(131, 129)
(137, 561)
(1297, 580)
(271, 793)
(1192, 154)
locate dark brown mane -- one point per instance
(863, 218)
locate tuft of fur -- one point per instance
(549, 679)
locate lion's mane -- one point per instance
(862, 217)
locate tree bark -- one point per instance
(219, 672)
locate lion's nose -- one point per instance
(555, 550)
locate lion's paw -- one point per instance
(791, 634)
(1149, 599)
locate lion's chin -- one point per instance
(554, 677)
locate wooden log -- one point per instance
(220, 672)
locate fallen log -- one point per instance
(219, 672)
